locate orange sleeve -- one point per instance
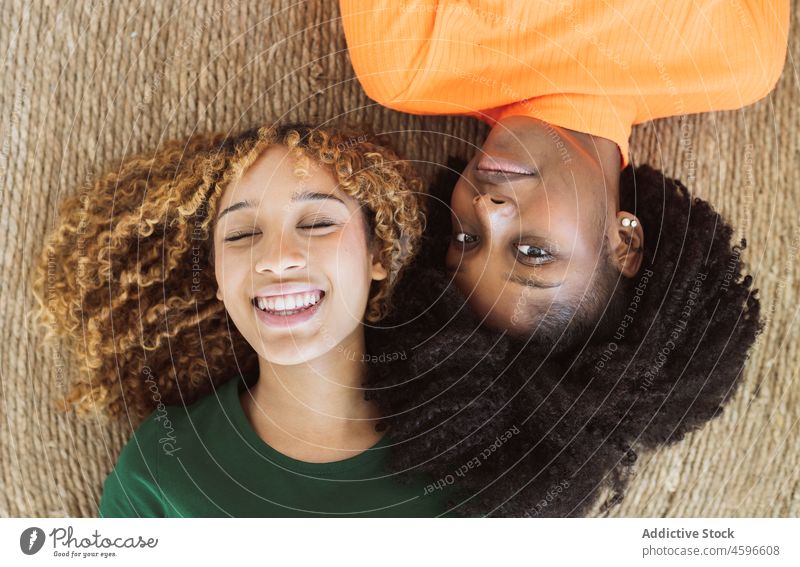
(387, 43)
(437, 57)
(596, 66)
(771, 39)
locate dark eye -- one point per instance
(322, 223)
(238, 236)
(532, 254)
(464, 238)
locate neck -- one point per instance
(608, 153)
(607, 160)
(315, 411)
(610, 163)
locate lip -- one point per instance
(288, 321)
(495, 164)
(286, 288)
(498, 178)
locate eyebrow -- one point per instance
(298, 196)
(527, 282)
(240, 205)
(530, 282)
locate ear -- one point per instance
(628, 244)
(378, 271)
(219, 294)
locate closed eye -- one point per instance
(238, 236)
(318, 224)
(323, 223)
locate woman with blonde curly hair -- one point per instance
(218, 288)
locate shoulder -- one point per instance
(176, 428)
(771, 19)
(756, 37)
(387, 44)
(133, 488)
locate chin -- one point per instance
(294, 354)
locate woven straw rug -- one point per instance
(93, 81)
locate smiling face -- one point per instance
(536, 226)
(292, 260)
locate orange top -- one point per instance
(592, 66)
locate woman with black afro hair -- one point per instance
(542, 234)
(601, 309)
(539, 426)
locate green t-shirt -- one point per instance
(205, 460)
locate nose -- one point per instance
(280, 253)
(491, 209)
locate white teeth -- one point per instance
(291, 302)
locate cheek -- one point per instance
(219, 271)
(346, 258)
(502, 303)
(460, 202)
(474, 280)
(231, 274)
(349, 270)
(576, 233)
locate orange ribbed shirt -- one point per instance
(592, 66)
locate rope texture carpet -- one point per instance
(91, 81)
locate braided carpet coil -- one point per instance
(88, 82)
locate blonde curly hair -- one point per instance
(119, 280)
